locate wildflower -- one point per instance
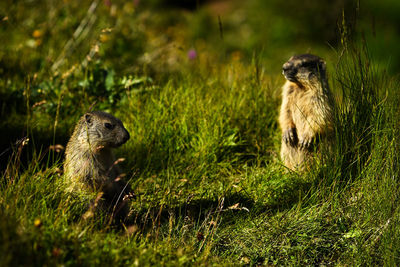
(37, 33)
(37, 223)
(192, 54)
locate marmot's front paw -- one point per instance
(305, 142)
(290, 136)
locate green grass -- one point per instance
(203, 158)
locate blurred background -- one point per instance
(47, 37)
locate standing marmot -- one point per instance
(306, 113)
(90, 166)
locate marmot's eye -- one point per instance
(109, 126)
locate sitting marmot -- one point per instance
(306, 115)
(90, 165)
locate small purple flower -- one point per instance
(107, 3)
(192, 54)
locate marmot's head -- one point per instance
(103, 130)
(304, 69)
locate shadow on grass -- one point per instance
(228, 208)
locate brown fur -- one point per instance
(306, 115)
(90, 165)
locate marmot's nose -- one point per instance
(122, 137)
(286, 67)
(289, 71)
(127, 136)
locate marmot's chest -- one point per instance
(102, 166)
(307, 105)
(303, 99)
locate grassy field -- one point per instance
(199, 91)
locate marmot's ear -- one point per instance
(88, 118)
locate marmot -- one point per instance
(90, 165)
(306, 115)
